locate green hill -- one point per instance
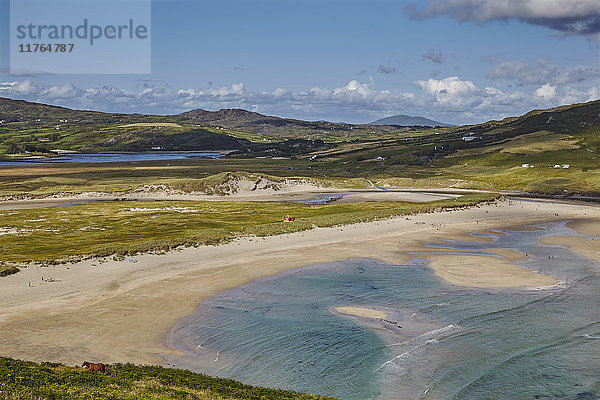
(32, 381)
(32, 127)
(559, 147)
(38, 128)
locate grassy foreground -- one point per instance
(129, 227)
(22, 380)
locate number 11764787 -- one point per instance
(46, 48)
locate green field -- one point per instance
(22, 380)
(128, 227)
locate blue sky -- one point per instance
(457, 61)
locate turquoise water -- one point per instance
(453, 342)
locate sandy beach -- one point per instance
(122, 311)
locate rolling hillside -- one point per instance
(38, 128)
(274, 128)
(564, 135)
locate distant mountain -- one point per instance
(407, 120)
(254, 123)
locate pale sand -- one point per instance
(586, 246)
(588, 226)
(485, 272)
(362, 312)
(467, 237)
(122, 311)
(507, 254)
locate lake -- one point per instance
(116, 157)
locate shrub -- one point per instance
(6, 270)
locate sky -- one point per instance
(455, 61)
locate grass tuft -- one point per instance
(6, 270)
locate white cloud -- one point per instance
(21, 88)
(571, 95)
(65, 91)
(464, 98)
(450, 91)
(546, 92)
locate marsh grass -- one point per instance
(124, 228)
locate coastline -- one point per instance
(121, 311)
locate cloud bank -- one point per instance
(580, 17)
(451, 99)
(521, 74)
(463, 97)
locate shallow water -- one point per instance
(114, 157)
(323, 198)
(454, 342)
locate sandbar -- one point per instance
(362, 312)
